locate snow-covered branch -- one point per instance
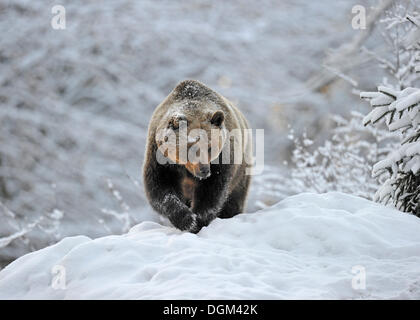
(401, 112)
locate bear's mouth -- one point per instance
(198, 170)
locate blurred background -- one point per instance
(75, 103)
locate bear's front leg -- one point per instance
(161, 190)
(179, 214)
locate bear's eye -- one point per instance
(175, 122)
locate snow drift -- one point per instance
(306, 246)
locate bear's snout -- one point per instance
(203, 171)
(199, 170)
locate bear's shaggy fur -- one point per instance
(192, 195)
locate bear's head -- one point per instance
(192, 133)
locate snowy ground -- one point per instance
(303, 247)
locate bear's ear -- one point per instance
(217, 118)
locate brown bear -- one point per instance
(189, 177)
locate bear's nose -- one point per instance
(204, 171)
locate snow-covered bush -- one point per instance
(400, 111)
(14, 230)
(343, 162)
(397, 106)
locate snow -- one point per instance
(408, 100)
(306, 246)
